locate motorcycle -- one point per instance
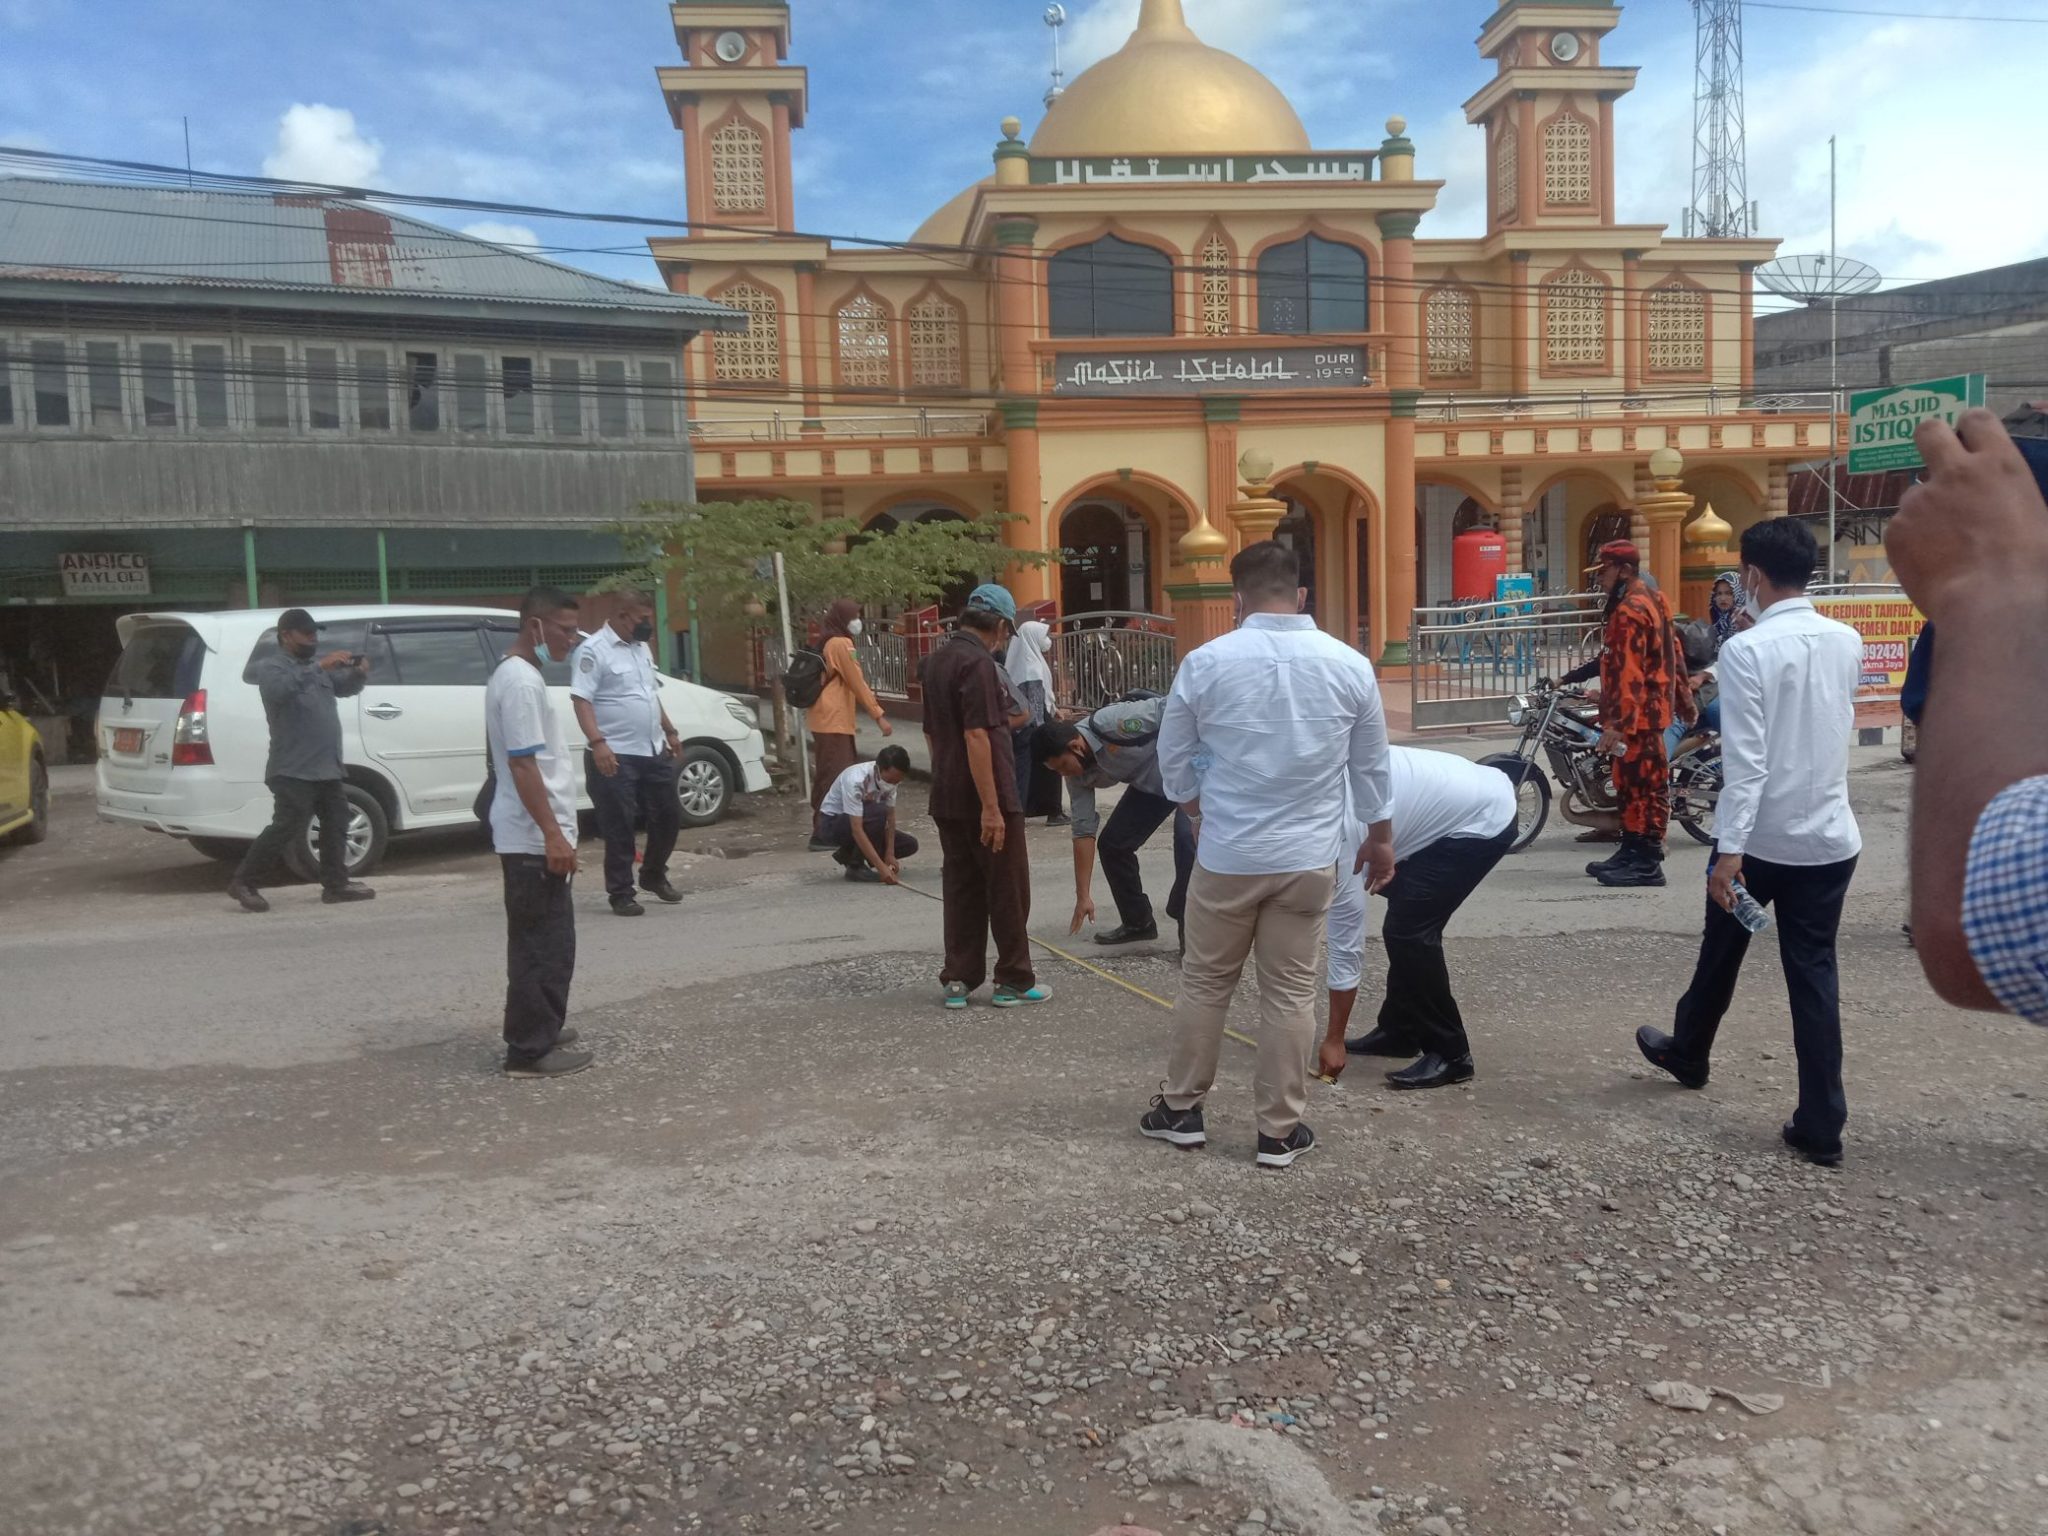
(1562, 723)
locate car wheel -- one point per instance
(704, 786)
(38, 826)
(369, 834)
(222, 850)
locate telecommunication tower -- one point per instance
(1721, 209)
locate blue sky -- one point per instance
(554, 102)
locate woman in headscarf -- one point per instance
(832, 718)
(1031, 675)
(1727, 606)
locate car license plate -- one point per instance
(128, 740)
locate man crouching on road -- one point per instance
(1454, 821)
(533, 827)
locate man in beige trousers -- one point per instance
(1273, 740)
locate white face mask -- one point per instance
(1750, 605)
(856, 628)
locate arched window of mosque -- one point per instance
(1216, 287)
(1677, 328)
(1111, 287)
(1575, 319)
(1507, 172)
(864, 361)
(739, 169)
(936, 357)
(1449, 333)
(1312, 286)
(752, 356)
(1568, 162)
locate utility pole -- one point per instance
(1720, 159)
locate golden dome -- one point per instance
(1708, 529)
(949, 225)
(1168, 92)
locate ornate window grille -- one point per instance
(1677, 329)
(1448, 325)
(937, 352)
(1216, 287)
(739, 169)
(752, 356)
(1507, 171)
(1568, 162)
(1575, 320)
(864, 353)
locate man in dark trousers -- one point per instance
(987, 878)
(304, 771)
(533, 829)
(1118, 745)
(1784, 830)
(1453, 823)
(631, 752)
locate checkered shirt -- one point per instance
(2005, 899)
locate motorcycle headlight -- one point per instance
(1516, 714)
(741, 713)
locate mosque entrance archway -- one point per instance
(1106, 558)
(1329, 525)
(889, 520)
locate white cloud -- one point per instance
(322, 144)
(514, 236)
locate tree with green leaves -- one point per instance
(722, 548)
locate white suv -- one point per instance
(183, 739)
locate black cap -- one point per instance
(298, 621)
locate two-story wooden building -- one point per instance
(1166, 273)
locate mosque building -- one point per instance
(1167, 287)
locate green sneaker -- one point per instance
(956, 994)
(1010, 997)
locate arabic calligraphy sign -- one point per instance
(1349, 165)
(1237, 371)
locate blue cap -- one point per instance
(994, 599)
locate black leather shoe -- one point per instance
(1618, 856)
(349, 892)
(1382, 1042)
(626, 906)
(251, 899)
(1432, 1071)
(661, 890)
(1129, 935)
(1820, 1157)
(1641, 864)
(1661, 1052)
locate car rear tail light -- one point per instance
(190, 745)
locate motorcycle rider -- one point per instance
(1643, 688)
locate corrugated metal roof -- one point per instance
(100, 233)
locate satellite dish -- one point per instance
(1812, 279)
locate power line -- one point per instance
(1850, 10)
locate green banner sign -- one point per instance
(1882, 421)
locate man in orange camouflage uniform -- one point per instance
(1640, 688)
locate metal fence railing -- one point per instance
(1471, 659)
(1098, 658)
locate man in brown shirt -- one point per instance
(987, 879)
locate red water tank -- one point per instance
(1478, 555)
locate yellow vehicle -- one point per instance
(24, 775)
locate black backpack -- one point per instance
(803, 681)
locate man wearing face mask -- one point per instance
(630, 764)
(304, 771)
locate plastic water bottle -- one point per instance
(1749, 911)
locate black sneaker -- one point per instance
(349, 892)
(252, 900)
(1661, 1051)
(863, 876)
(557, 1063)
(1126, 934)
(822, 845)
(1819, 1156)
(626, 906)
(1274, 1152)
(1179, 1127)
(661, 890)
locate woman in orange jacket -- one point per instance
(832, 718)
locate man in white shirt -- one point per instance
(1785, 832)
(1289, 721)
(857, 818)
(533, 828)
(631, 751)
(1454, 821)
